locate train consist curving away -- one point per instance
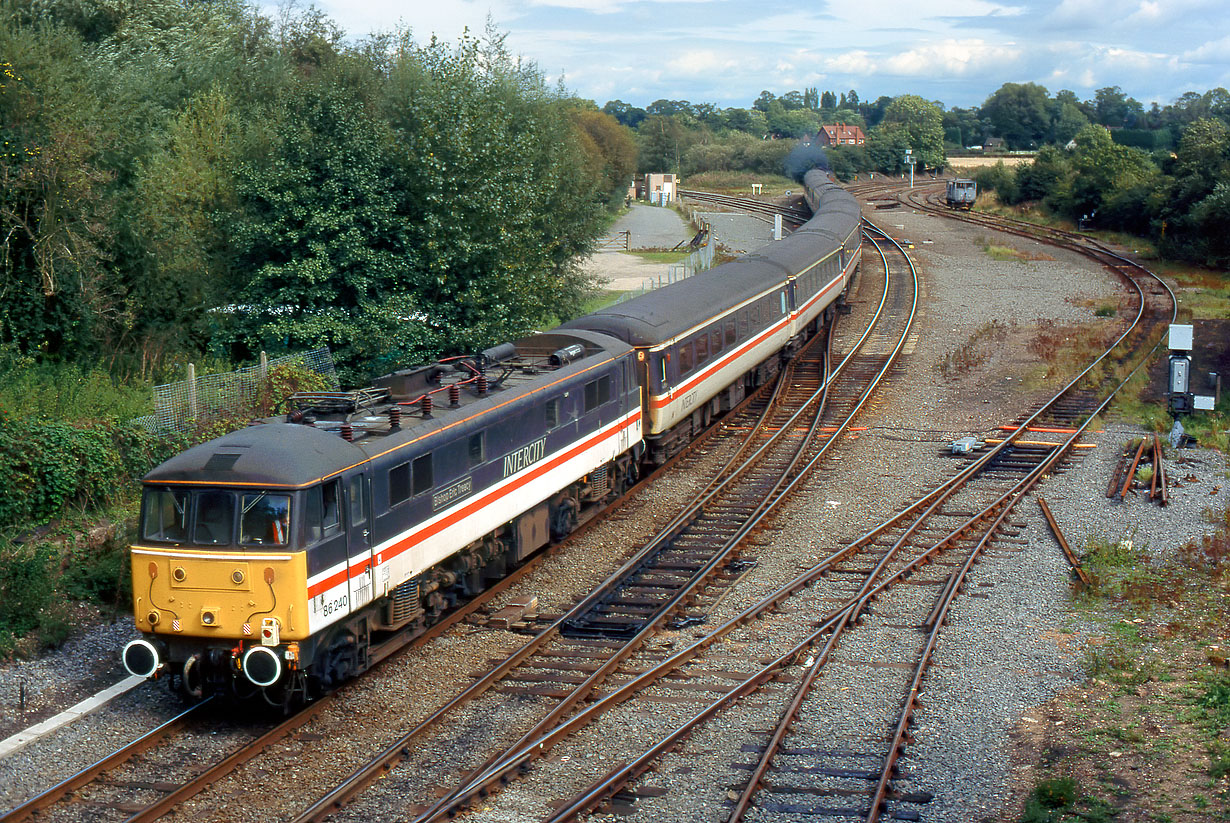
(299, 551)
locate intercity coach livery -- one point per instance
(297, 552)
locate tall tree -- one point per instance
(1019, 113)
(922, 124)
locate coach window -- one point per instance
(399, 484)
(783, 296)
(730, 332)
(478, 449)
(422, 474)
(702, 348)
(685, 358)
(716, 338)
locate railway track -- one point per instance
(792, 217)
(151, 768)
(147, 775)
(932, 545)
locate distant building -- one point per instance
(840, 134)
(994, 144)
(658, 189)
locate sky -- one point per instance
(726, 52)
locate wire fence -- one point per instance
(696, 262)
(179, 406)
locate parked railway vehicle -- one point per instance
(299, 551)
(962, 194)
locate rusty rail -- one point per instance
(1073, 560)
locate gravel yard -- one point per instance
(976, 693)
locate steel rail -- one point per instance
(620, 777)
(384, 761)
(399, 748)
(497, 768)
(91, 773)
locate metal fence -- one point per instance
(178, 406)
(696, 262)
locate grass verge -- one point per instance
(1147, 738)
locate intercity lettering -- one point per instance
(524, 457)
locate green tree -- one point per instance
(921, 123)
(610, 150)
(627, 114)
(1019, 113)
(661, 144)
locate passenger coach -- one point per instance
(704, 342)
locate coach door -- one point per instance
(358, 489)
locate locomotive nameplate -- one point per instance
(453, 493)
(525, 456)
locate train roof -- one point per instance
(667, 312)
(274, 453)
(265, 455)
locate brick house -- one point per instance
(841, 135)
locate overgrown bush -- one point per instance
(26, 587)
(49, 467)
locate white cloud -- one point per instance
(700, 62)
(1214, 51)
(954, 58)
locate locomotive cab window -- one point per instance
(265, 519)
(552, 413)
(214, 522)
(358, 509)
(322, 513)
(166, 515)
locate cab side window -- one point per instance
(322, 511)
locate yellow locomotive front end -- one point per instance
(217, 586)
(229, 531)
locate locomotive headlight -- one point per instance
(237, 576)
(209, 617)
(179, 574)
(262, 666)
(153, 617)
(142, 658)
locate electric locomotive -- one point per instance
(281, 557)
